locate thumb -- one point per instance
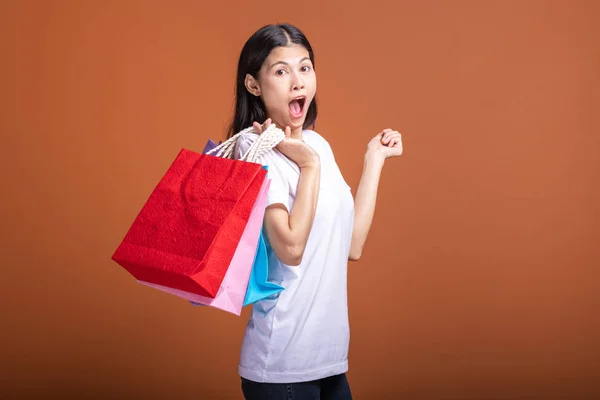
(288, 132)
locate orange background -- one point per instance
(480, 279)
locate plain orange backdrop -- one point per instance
(480, 279)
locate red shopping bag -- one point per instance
(188, 230)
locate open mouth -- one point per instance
(297, 106)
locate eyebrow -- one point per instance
(284, 63)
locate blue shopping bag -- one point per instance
(258, 286)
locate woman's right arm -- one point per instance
(288, 232)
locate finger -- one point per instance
(257, 127)
(267, 123)
(288, 132)
(393, 135)
(387, 132)
(386, 137)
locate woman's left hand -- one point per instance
(387, 143)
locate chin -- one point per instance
(292, 123)
(297, 124)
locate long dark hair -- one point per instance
(250, 108)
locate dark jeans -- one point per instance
(331, 388)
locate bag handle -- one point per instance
(265, 142)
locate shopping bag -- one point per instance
(248, 272)
(188, 230)
(187, 233)
(259, 286)
(231, 294)
(210, 145)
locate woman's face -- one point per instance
(287, 85)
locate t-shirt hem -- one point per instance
(292, 376)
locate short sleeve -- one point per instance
(335, 166)
(279, 190)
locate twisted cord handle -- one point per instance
(265, 142)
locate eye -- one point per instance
(305, 68)
(280, 72)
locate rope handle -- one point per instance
(265, 142)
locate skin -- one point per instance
(286, 74)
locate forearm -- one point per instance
(364, 203)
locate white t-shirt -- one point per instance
(302, 333)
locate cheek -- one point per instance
(274, 96)
(311, 84)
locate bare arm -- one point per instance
(386, 144)
(364, 203)
(288, 233)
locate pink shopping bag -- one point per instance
(231, 294)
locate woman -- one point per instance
(296, 342)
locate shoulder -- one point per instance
(243, 143)
(246, 138)
(313, 138)
(313, 135)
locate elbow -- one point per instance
(355, 254)
(292, 256)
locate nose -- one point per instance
(297, 83)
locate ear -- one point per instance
(252, 85)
